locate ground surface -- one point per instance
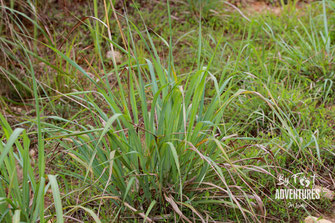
(217, 100)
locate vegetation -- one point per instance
(174, 111)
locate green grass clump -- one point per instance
(191, 118)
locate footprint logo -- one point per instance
(304, 182)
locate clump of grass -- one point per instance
(159, 144)
(22, 190)
(156, 144)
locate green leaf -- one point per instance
(57, 199)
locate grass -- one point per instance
(196, 122)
